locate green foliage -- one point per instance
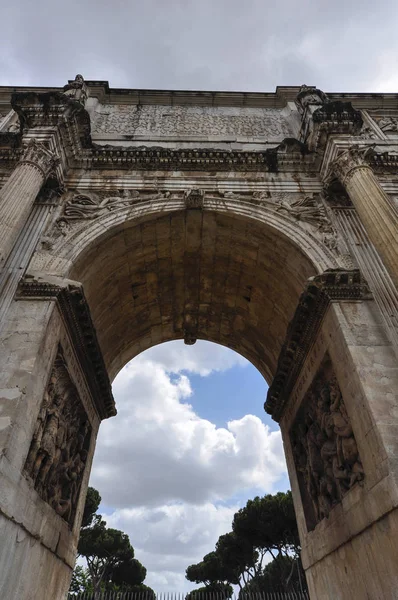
(93, 500)
(265, 526)
(269, 523)
(80, 581)
(128, 573)
(219, 591)
(111, 565)
(285, 573)
(236, 554)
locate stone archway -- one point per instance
(134, 253)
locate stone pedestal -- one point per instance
(374, 208)
(335, 396)
(19, 192)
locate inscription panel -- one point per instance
(191, 121)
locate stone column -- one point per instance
(19, 192)
(377, 213)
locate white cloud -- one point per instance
(159, 450)
(203, 358)
(168, 538)
(166, 475)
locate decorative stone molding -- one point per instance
(349, 161)
(60, 444)
(333, 117)
(332, 285)
(194, 198)
(40, 157)
(288, 154)
(388, 124)
(55, 109)
(76, 315)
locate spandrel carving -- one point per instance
(60, 443)
(324, 447)
(388, 124)
(91, 206)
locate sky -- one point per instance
(250, 45)
(190, 445)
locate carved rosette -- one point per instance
(61, 439)
(36, 154)
(325, 452)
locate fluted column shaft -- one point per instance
(19, 192)
(376, 211)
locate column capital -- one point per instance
(349, 161)
(35, 153)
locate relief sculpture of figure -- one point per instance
(388, 124)
(48, 446)
(324, 448)
(304, 209)
(59, 448)
(347, 449)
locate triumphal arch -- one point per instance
(266, 222)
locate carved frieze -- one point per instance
(305, 208)
(388, 124)
(61, 439)
(87, 206)
(191, 120)
(324, 448)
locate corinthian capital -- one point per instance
(348, 162)
(36, 154)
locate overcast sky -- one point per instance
(344, 45)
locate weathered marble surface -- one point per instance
(190, 121)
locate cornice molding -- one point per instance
(75, 313)
(290, 154)
(333, 285)
(52, 109)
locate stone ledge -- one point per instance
(75, 312)
(332, 285)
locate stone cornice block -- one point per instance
(331, 286)
(75, 312)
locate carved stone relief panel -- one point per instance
(388, 124)
(60, 443)
(324, 448)
(191, 120)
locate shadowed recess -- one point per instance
(193, 275)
